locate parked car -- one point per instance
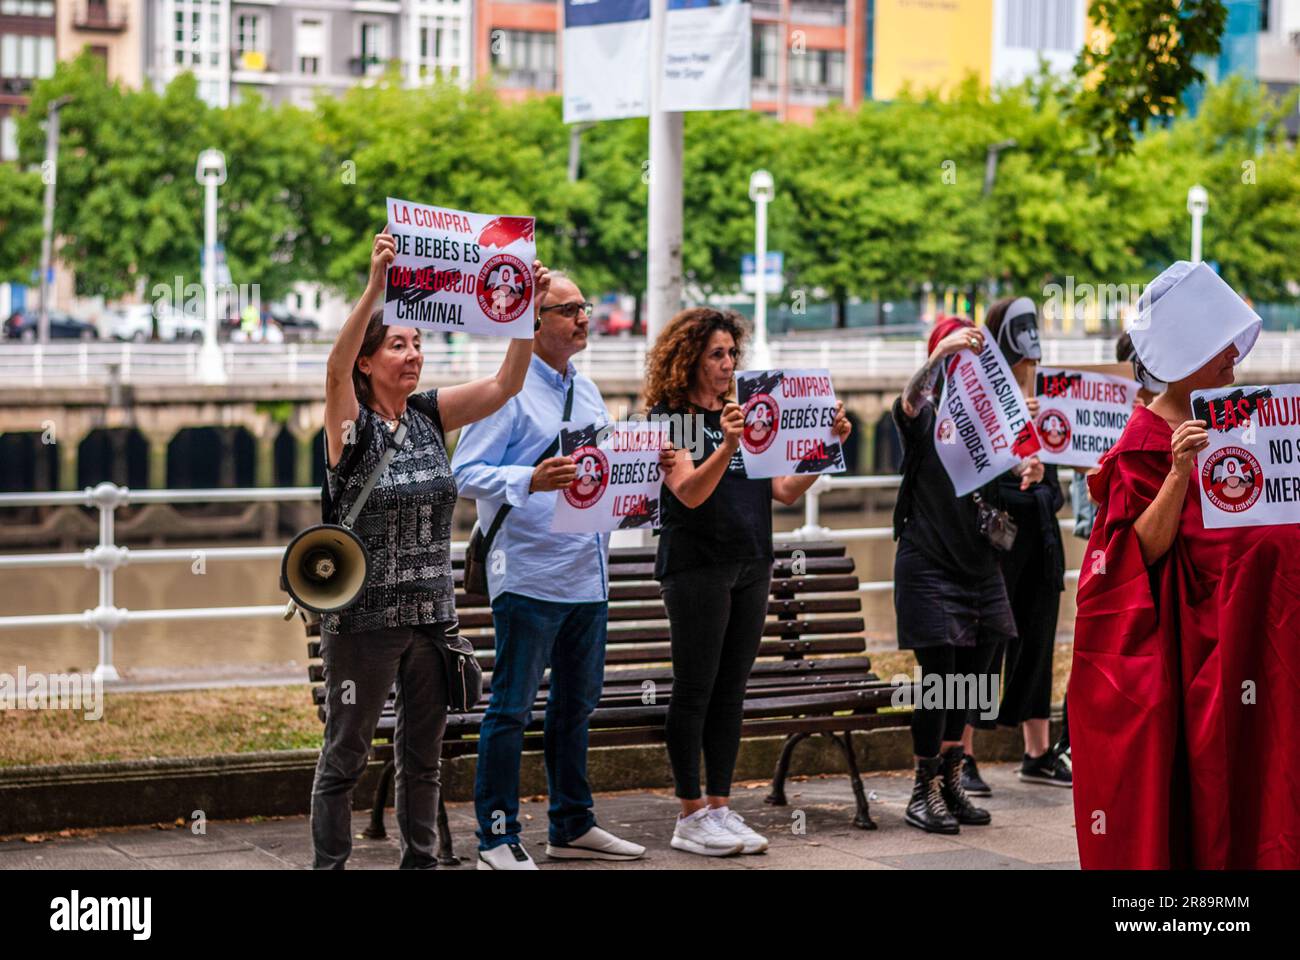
(135, 322)
(293, 326)
(24, 324)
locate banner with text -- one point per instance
(606, 59)
(1249, 475)
(618, 482)
(982, 427)
(607, 68)
(788, 417)
(1080, 414)
(455, 270)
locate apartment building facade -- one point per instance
(292, 50)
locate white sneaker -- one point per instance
(596, 844)
(701, 833)
(507, 856)
(734, 823)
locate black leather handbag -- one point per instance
(995, 526)
(460, 667)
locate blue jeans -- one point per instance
(530, 636)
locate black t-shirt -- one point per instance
(940, 524)
(734, 523)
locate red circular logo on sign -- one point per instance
(1232, 479)
(762, 416)
(1054, 429)
(592, 478)
(505, 285)
(945, 432)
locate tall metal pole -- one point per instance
(51, 174)
(761, 354)
(211, 173)
(1198, 202)
(664, 246)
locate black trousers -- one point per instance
(715, 617)
(1036, 606)
(956, 685)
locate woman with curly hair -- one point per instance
(714, 567)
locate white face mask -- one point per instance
(1018, 335)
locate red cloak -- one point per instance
(1185, 688)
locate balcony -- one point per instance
(100, 17)
(369, 66)
(523, 79)
(820, 14)
(16, 86)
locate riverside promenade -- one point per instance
(1032, 829)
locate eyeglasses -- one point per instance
(570, 310)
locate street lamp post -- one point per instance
(210, 171)
(51, 175)
(1198, 204)
(761, 191)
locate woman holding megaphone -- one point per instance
(386, 448)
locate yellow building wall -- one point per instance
(930, 43)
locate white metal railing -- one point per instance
(94, 363)
(106, 557)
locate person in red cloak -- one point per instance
(1185, 689)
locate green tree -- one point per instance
(20, 223)
(1139, 62)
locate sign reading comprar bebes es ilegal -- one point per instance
(618, 481)
(788, 418)
(456, 270)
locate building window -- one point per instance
(1264, 22)
(373, 44)
(248, 34)
(8, 138)
(24, 55)
(818, 70)
(1042, 25)
(309, 44)
(524, 58)
(767, 43)
(27, 8)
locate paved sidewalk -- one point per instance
(1032, 829)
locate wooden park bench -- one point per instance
(812, 675)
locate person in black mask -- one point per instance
(1034, 572)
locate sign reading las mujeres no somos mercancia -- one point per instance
(1249, 475)
(456, 270)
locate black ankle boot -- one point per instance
(954, 794)
(926, 809)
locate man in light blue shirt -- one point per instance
(549, 595)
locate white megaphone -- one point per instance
(324, 567)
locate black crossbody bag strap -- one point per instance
(549, 452)
(395, 441)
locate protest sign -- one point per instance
(1081, 414)
(455, 270)
(1249, 475)
(788, 417)
(982, 427)
(618, 482)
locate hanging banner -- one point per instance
(1249, 475)
(618, 482)
(708, 54)
(982, 427)
(607, 69)
(788, 417)
(455, 270)
(606, 59)
(1081, 414)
